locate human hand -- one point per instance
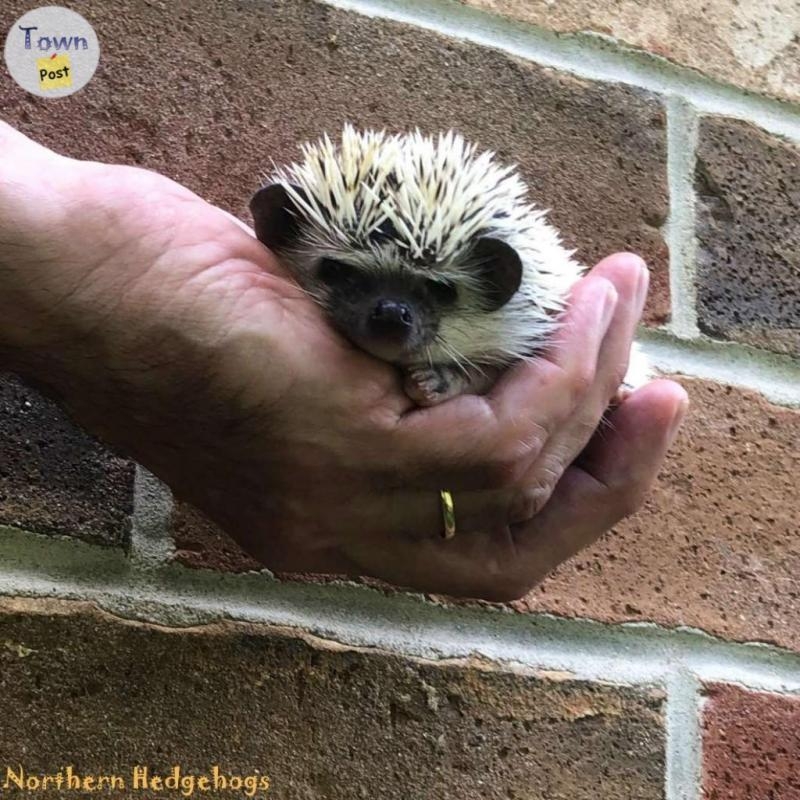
(166, 328)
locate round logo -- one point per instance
(52, 51)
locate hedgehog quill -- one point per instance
(425, 253)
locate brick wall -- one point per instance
(664, 662)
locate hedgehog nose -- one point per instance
(391, 320)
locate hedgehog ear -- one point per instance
(500, 270)
(275, 215)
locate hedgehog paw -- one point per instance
(429, 386)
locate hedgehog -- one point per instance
(424, 252)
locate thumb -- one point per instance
(610, 479)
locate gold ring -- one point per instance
(448, 514)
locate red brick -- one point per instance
(56, 479)
(716, 545)
(209, 93)
(321, 721)
(200, 543)
(751, 745)
(748, 235)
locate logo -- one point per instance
(52, 51)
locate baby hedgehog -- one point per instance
(423, 252)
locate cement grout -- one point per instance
(684, 737)
(777, 377)
(357, 616)
(150, 542)
(682, 129)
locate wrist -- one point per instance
(32, 216)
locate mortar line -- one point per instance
(776, 377)
(684, 737)
(150, 540)
(682, 131)
(591, 56)
(407, 624)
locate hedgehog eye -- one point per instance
(444, 292)
(331, 271)
(337, 273)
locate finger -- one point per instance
(415, 516)
(568, 365)
(465, 566)
(608, 483)
(474, 511)
(628, 274)
(613, 476)
(488, 442)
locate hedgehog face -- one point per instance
(385, 301)
(393, 315)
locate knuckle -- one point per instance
(629, 500)
(580, 379)
(522, 440)
(550, 472)
(511, 461)
(539, 487)
(504, 472)
(529, 502)
(616, 376)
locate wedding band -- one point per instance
(448, 514)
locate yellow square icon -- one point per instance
(55, 72)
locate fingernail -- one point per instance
(677, 420)
(609, 304)
(642, 285)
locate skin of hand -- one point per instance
(163, 326)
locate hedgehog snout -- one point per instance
(391, 319)
(388, 327)
(391, 314)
